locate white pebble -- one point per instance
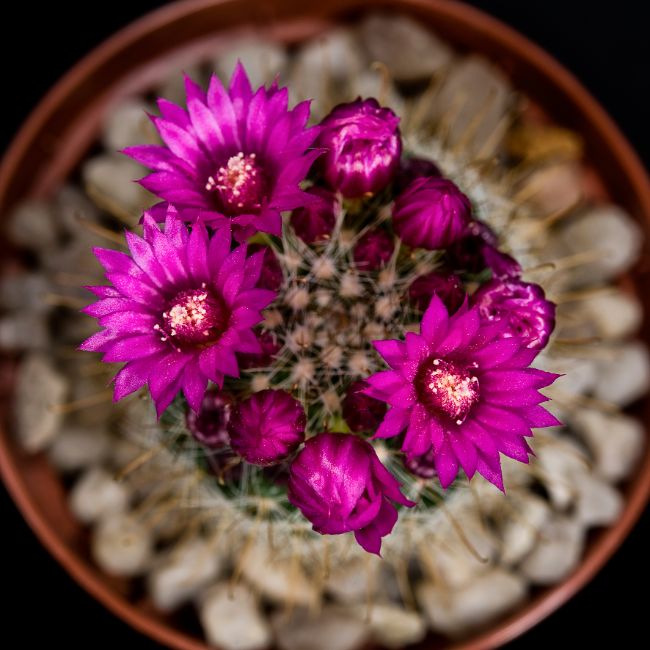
(616, 441)
(392, 626)
(231, 619)
(410, 51)
(109, 181)
(624, 376)
(40, 390)
(608, 232)
(474, 97)
(32, 224)
(279, 580)
(24, 291)
(183, 573)
(96, 495)
(263, 60)
(522, 530)
(599, 504)
(78, 447)
(333, 628)
(128, 124)
(613, 315)
(484, 599)
(559, 461)
(558, 552)
(20, 331)
(122, 546)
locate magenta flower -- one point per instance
(314, 223)
(463, 391)
(431, 213)
(478, 250)
(210, 425)
(362, 146)
(339, 484)
(179, 309)
(447, 286)
(412, 168)
(267, 427)
(373, 250)
(234, 156)
(522, 305)
(360, 411)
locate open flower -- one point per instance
(431, 213)
(179, 309)
(362, 146)
(522, 306)
(463, 391)
(234, 155)
(267, 427)
(340, 485)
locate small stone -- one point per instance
(122, 546)
(521, 531)
(332, 628)
(323, 69)
(110, 183)
(40, 389)
(472, 103)
(616, 441)
(392, 626)
(614, 315)
(78, 447)
(74, 258)
(611, 235)
(73, 209)
(24, 292)
(97, 495)
(128, 124)
(599, 504)
(578, 376)
(23, 331)
(263, 60)
(624, 376)
(183, 573)
(352, 582)
(172, 86)
(277, 579)
(486, 598)
(372, 83)
(32, 224)
(231, 619)
(411, 52)
(559, 461)
(558, 552)
(555, 188)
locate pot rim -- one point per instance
(607, 540)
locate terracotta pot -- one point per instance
(63, 127)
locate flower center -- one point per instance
(194, 317)
(445, 388)
(239, 184)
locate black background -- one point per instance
(606, 46)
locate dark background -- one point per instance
(606, 46)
